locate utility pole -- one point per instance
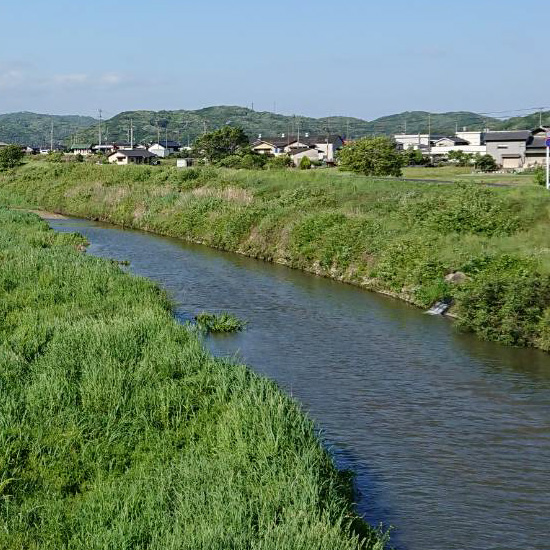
(429, 136)
(51, 137)
(204, 126)
(131, 134)
(158, 133)
(100, 111)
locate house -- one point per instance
(535, 150)
(508, 148)
(449, 142)
(164, 148)
(83, 149)
(416, 141)
(122, 145)
(131, 156)
(324, 145)
(104, 148)
(271, 146)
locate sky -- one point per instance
(317, 58)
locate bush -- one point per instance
(485, 163)
(222, 322)
(505, 300)
(539, 176)
(55, 156)
(305, 163)
(281, 161)
(11, 156)
(372, 157)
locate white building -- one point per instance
(164, 148)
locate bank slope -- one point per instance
(397, 237)
(118, 430)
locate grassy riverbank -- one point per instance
(118, 430)
(398, 237)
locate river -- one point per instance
(449, 436)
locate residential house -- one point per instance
(325, 146)
(105, 148)
(164, 148)
(508, 147)
(83, 149)
(131, 156)
(416, 141)
(535, 150)
(439, 146)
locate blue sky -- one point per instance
(315, 58)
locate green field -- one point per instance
(118, 430)
(465, 174)
(391, 236)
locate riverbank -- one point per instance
(394, 237)
(118, 429)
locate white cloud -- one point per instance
(30, 80)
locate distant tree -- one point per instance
(461, 158)
(79, 157)
(221, 143)
(305, 163)
(376, 156)
(413, 157)
(485, 163)
(11, 156)
(243, 159)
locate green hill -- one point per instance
(184, 125)
(35, 129)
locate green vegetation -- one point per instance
(305, 163)
(539, 176)
(391, 236)
(35, 129)
(118, 430)
(185, 124)
(371, 157)
(217, 145)
(10, 156)
(461, 174)
(219, 322)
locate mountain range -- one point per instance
(185, 125)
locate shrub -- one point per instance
(305, 163)
(281, 161)
(485, 163)
(11, 156)
(505, 300)
(539, 176)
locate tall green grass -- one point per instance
(397, 237)
(119, 431)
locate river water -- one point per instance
(449, 436)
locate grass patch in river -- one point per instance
(219, 322)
